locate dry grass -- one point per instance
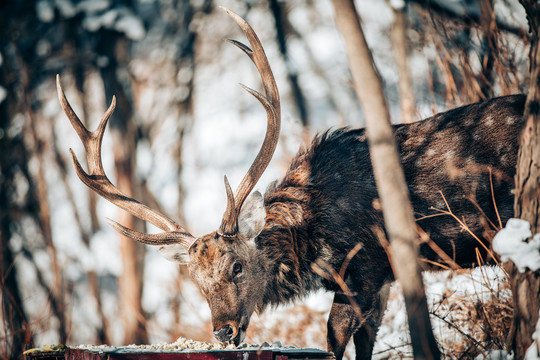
(471, 323)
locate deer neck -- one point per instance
(284, 250)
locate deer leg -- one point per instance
(364, 338)
(342, 323)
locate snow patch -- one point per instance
(131, 26)
(495, 355)
(3, 94)
(94, 23)
(66, 8)
(397, 4)
(511, 244)
(93, 6)
(44, 11)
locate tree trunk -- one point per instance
(15, 326)
(279, 11)
(489, 48)
(397, 209)
(124, 133)
(399, 43)
(57, 286)
(15, 323)
(526, 286)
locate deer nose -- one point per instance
(224, 334)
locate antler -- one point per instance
(96, 180)
(271, 104)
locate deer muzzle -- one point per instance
(224, 334)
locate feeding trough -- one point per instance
(127, 353)
(190, 351)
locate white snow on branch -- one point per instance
(93, 6)
(494, 355)
(44, 11)
(397, 4)
(3, 94)
(95, 22)
(131, 26)
(511, 244)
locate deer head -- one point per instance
(222, 263)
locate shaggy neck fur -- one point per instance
(282, 243)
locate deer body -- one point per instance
(325, 212)
(323, 208)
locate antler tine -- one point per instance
(258, 56)
(170, 237)
(272, 106)
(229, 216)
(97, 180)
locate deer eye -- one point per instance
(237, 269)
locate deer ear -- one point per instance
(174, 252)
(252, 216)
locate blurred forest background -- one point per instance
(180, 124)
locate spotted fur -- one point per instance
(327, 203)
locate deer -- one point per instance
(325, 210)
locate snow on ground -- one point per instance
(453, 300)
(461, 306)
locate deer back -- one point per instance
(459, 166)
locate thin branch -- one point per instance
(442, 10)
(324, 270)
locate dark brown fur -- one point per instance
(323, 207)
